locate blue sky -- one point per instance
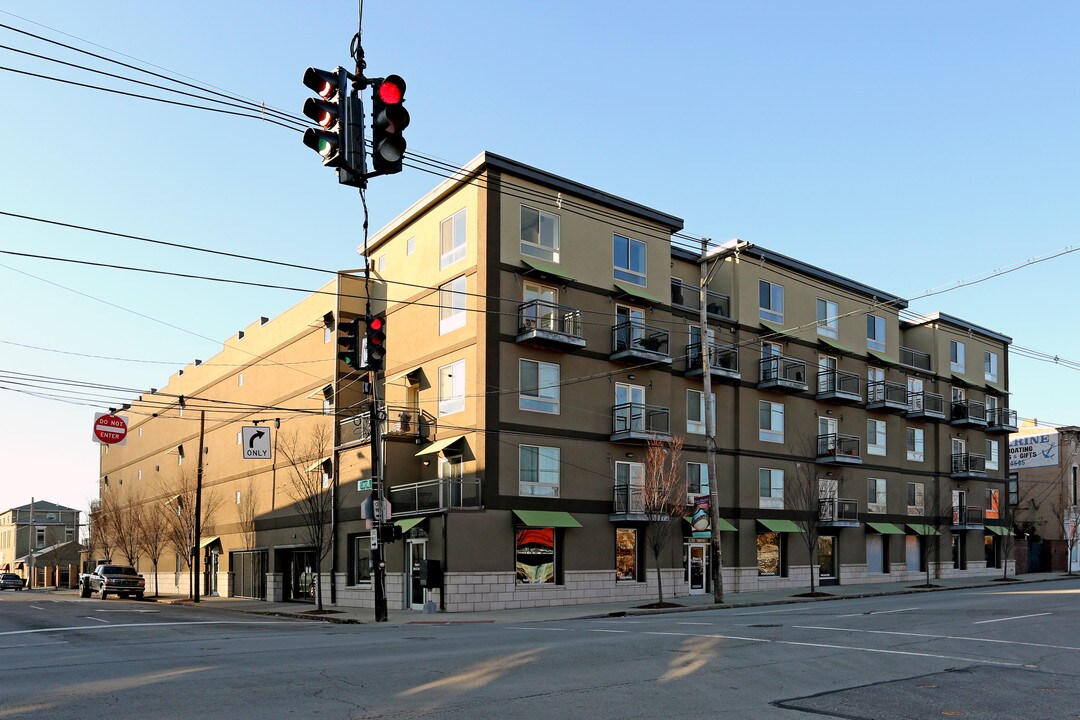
(908, 146)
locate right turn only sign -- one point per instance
(256, 443)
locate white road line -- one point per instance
(770, 612)
(552, 629)
(128, 611)
(938, 637)
(37, 608)
(158, 624)
(607, 631)
(694, 623)
(101, 620)
(1015, 617)
(878, 612)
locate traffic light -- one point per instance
(376, 341)
(328, 110)
(390, 533)
(349, 343)
(388, 119)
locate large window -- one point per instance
(875, 332)
(629, 478)
(875, 495)
(991, 455)
(695, 411)
(538, 471)
(915, 444)
(627, 567)
(452, 388)
(771, 488)
(452, 239)
(539, 386)
(916, 498)
(534, 555)
(629, 260)
(957, 360)
(768, 554)
(990, 367)
(452, 305)
(875, 437)
(771, 301)
(539, 234)
(828, 318)
(361, 559)
(770, 421)
(697, 481)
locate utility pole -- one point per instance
(30, 545)
(197, 530)
(378, 566)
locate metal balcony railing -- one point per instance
(780, 369)
(627, 500)
(926, 404)
(839, 447)
(838, 510)
(884, 393)
(631, 337)
(1001, 418)
(542, 316)
(640, 420)
(969, 412)
(838, 382)
(689, 297)
(968, 464)
(915, 359)
(723, 359)
(429, 496)
(964, 515)
(397, 421)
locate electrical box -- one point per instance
(431, 574)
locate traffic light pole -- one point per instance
(378, 565)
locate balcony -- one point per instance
(967, 466)
(432, 496)
(688, 297)
(838, 386)
(968, 413)
(915, 359)
(640, 423)
(887, 396)
(723, 361)
(838, 512)
(968, 518)
(635, 341)
(399, 421)
(837, 449)
(926, 405)
(1001, 420)
(628, 505)
(551, 325)
(782, 373)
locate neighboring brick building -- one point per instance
(1045, 465)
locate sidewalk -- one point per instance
(565, 612)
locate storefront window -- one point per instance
(768, 554)
(626, 554)
(534, 550)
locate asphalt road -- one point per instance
(1012, 652)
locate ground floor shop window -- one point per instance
(534, 553)
(959, 559)
(627, 567)
(360, 565)
(990, 546)
(769, 548)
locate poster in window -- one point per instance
(534, 549)
(625, 554)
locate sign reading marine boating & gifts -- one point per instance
(1033, 451)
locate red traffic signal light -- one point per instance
(389, 118)
(376, 341)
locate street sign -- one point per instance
(363, 484)
(256, 443)
(110, 429)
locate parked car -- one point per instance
(11, 581)
(106, 580)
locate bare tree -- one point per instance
(663, 498)
(102, 521)
(154, 524)
(247, 511)
(179, 497)
(311, 488)
(126, 520)
(804, 498)
(939, 517)
(1066, 516)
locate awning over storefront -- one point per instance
(409, 523)
(834, 344)
(207, 541)
(724, 525)
(543, 268)
(780, 525)
(999, 389)
(886, 528)
(998, 530)
(439, 445)
(546, 518)
(318, 464)
(920, 529)
(637, 293)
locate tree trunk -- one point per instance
(156, 581)
(659, 580)
(318, 591)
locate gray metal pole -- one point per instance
(716, 564)
(197, 540)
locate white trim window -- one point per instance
(876, 495)
(538, 471)
(770, 301)
(828, 318)
(538, 386)
(992, 455)
(539, 234)
(695, 412)
(916, 498)
(697, 481)
(771, 488)
(452, 388)
(875, 437)
(770, 421)
(875, 333)
(957, 359)
(452, 239)
(629, 260)
(916, 444)
(410, 246)
(629, 479)
(990, 366)
(452, 305)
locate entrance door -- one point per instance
(629, 413)
(543, 313)
(302, 576)
(826, 557)
(913, 553)
(211, 564)
(827, 429)
(628, 320)
(416, 552)
(697, 568)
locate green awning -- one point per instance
(773, 327)
(439, 445)
(409, 523)
(547, 518)
(920, 529)
(780, 525)
(636, 292)
(884, 357)
(886, 528)
(998, 530)
(997, 388)
(724, 525)
(961, 380)
(547, 269)
(834, 344)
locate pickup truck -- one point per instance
(107, 580)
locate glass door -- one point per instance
(826, 557)
(629, 413)
(697, 569)
(416, 555)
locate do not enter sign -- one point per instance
(110, 429)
